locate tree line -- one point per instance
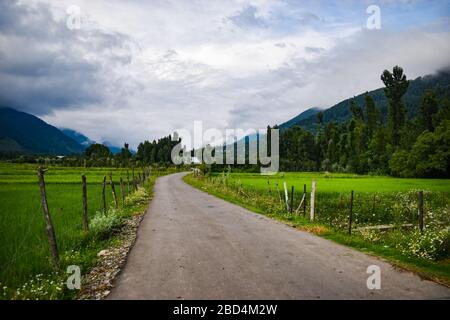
(400, 146)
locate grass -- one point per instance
(24, 251)
(340, 182)
(248, 194)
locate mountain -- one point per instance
(340, 112)
(78, 137)
(86, 142)
(25, 133)
(302, 116)
(114, 149)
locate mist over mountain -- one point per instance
(77, 136)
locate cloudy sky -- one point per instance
(135, 70)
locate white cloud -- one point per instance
(146, 68)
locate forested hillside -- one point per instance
(340, 112)
(401, 130)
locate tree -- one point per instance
(97, 151)
(157, 151)
(269, 139)
(372, 115)
(409, 133)
(431, 152)
(400, 164)
(396, 86)
(428, 108)
(378, 153)
(332, 139)
(356, 110)
(443, 113)
(297, 150)
(125, 154)
(319, 118)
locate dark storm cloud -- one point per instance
(46, 66)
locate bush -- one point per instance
(103, 225)
(138, 197)
(400, 164)
(432, 244)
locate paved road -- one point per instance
(192, 245)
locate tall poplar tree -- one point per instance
(396, 87)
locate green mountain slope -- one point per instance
(23, 132)
(302, 116)
(341, 111)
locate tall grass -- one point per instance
(24, 249)
(342, 183)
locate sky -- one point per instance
(129, 71)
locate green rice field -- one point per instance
(337, 182)
(24, 248)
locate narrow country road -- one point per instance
(192, 245)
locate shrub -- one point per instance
(136, 198)
(432, 244)
(102, 225)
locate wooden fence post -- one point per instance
(128, 181)
(286, 196)
(134, 179)
(304, 203)
(279, 194)
(301, 204)
(421, 211)
(313, 195)
(113, 189)
(48, 221)
(292, 199)
(103, 195)
(350, 217)
(122, 190)
(85, 204)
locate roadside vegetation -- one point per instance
(26, 267)
(385, 215)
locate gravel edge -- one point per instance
(97, 284)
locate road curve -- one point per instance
(192, 245)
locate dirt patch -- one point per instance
(317, 230)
